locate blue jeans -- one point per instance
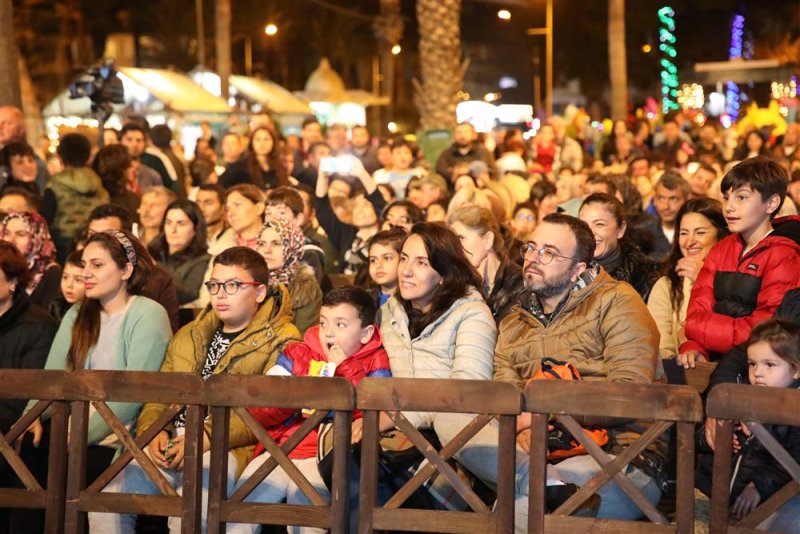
(278, 487)
(616, 504)
(133, 479)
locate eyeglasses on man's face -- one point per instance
(546, 256)
(231, 287)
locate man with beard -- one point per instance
(575, 312)
(466, 148)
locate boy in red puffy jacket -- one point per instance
(745, 275)
(346, 343)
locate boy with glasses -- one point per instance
(243, 332)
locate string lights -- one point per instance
(669, 72)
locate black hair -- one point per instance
(356, 297)
(246, 258)
(74, 150)
(216, 188)
(542, 189)
(413, 211)
(17, 149)
(597, 179)
(132, 127)
(200, 169)
(161, 135)
(106, 211)
(761, 174)
(14, 266)
(611, 203)
(159, 247)
(584, 238)
(288, 196)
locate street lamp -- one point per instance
(271, 29)
(547, 31)
(504, 14)
(396, 49)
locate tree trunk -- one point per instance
(223, 37)
(9, 74)
(388, 29)
(617, 59)
(436, 95)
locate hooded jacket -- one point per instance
(371, 360)
(70, 197)
(252, 352)
(735, 291)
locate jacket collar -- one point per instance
(587, 283)
(399, 319)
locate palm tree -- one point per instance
(441, 65)
(617, 59)
(9, 74)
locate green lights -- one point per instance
(669, 72)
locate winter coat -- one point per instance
(754, 463)
(734, 292)
(26, 332)
(69, 198)
(187, 274)
(670, 322)
(295, 360)
(458, 344)
(629, 264)
(306, 298)
(252, 352)
(140, 346)
(606, 332)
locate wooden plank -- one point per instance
(340, 495)
(145, 462)
(770, 506)
(22, 424)
(438, 395)
(506, 474)
(699, 376)
(280, 392)
(130, 503)
(135, 386)
(141, 441)
(288, 466)
(442, 466)
(426, 471)
(537, 478)
(721, 477)
(263, 471)
(76, 470)
(191, 502)
(18, 465)
(740, 402)
(57, 468)
(32, 384)
(218, 469)
(558, 524)
(684, 487)
(22, 498)
(277, 514)
(612, 467)
(433, 521)
(614, 399)
(369, 472)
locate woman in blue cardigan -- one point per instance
(114, 328)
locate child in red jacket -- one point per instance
(745, 275)
(346, 343)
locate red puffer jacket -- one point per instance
(295, 360)
(734, 292)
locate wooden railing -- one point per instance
(755, 406)
(69, 395)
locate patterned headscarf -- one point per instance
(293, 240)
(43, 250)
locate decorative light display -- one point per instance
(669, 72)
(690, 96)
(782, 91)
(734, 52)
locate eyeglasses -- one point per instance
(231, 286)
(546, 255)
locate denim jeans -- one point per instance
(278, 487)
(133, 479)
(616, 504)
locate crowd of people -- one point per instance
(335, 253)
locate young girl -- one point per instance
(384, 257)
(72, 289)
(773, 359)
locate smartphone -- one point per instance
(336, 165)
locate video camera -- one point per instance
(102, 85)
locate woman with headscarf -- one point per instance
(281, 244)
(29, 233)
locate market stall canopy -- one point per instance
(153, 89)
(270, 95)
(742, 71)
(325, 85)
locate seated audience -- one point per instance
(281, 244)
(244, 208)
(151, 212)
(701, 225)
(72, 288)
(384, 257)
(29, 233)
(114, 165)
(22, 170)
(262, 167)
(243, 332)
